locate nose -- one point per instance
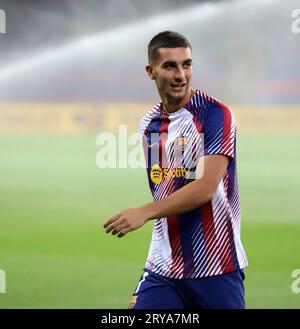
(179, 74)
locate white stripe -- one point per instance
(145, 274)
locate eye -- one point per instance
(168, 67)
(187, 65)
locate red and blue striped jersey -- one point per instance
(204, 241)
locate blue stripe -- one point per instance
(188, 223)
(213, 129)
(152, 135)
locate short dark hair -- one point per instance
(166, 39)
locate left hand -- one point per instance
(126, 221)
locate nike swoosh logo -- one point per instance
(150, 145)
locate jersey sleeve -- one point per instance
(219, 131)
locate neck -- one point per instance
(171, 106)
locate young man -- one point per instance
(196, 256)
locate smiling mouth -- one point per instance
(178, 86)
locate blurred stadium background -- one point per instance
(70, 70)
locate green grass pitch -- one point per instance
(54, 200)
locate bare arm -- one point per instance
(186, 198)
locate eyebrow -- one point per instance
(170, 62)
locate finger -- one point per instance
(114, 225)
(119, 228)
(123, 232)
(111, 220)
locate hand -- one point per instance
(126, 221)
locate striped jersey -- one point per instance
(204, 241)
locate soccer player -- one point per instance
(196, 257)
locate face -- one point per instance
(172, 72)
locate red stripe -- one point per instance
(226, 126)
(163, 131)
(228, 263)
(173, 221)
(210, 239)
(174, 237)
(198, 124)
(199, 129)
(208, 229)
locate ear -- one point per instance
(150, 72)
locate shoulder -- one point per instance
(203, 105)
(154, 112)
(209, 103)
(213, 111)
(218, 108)
(214, 107)
(201, 100)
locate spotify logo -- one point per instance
(156, 174)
